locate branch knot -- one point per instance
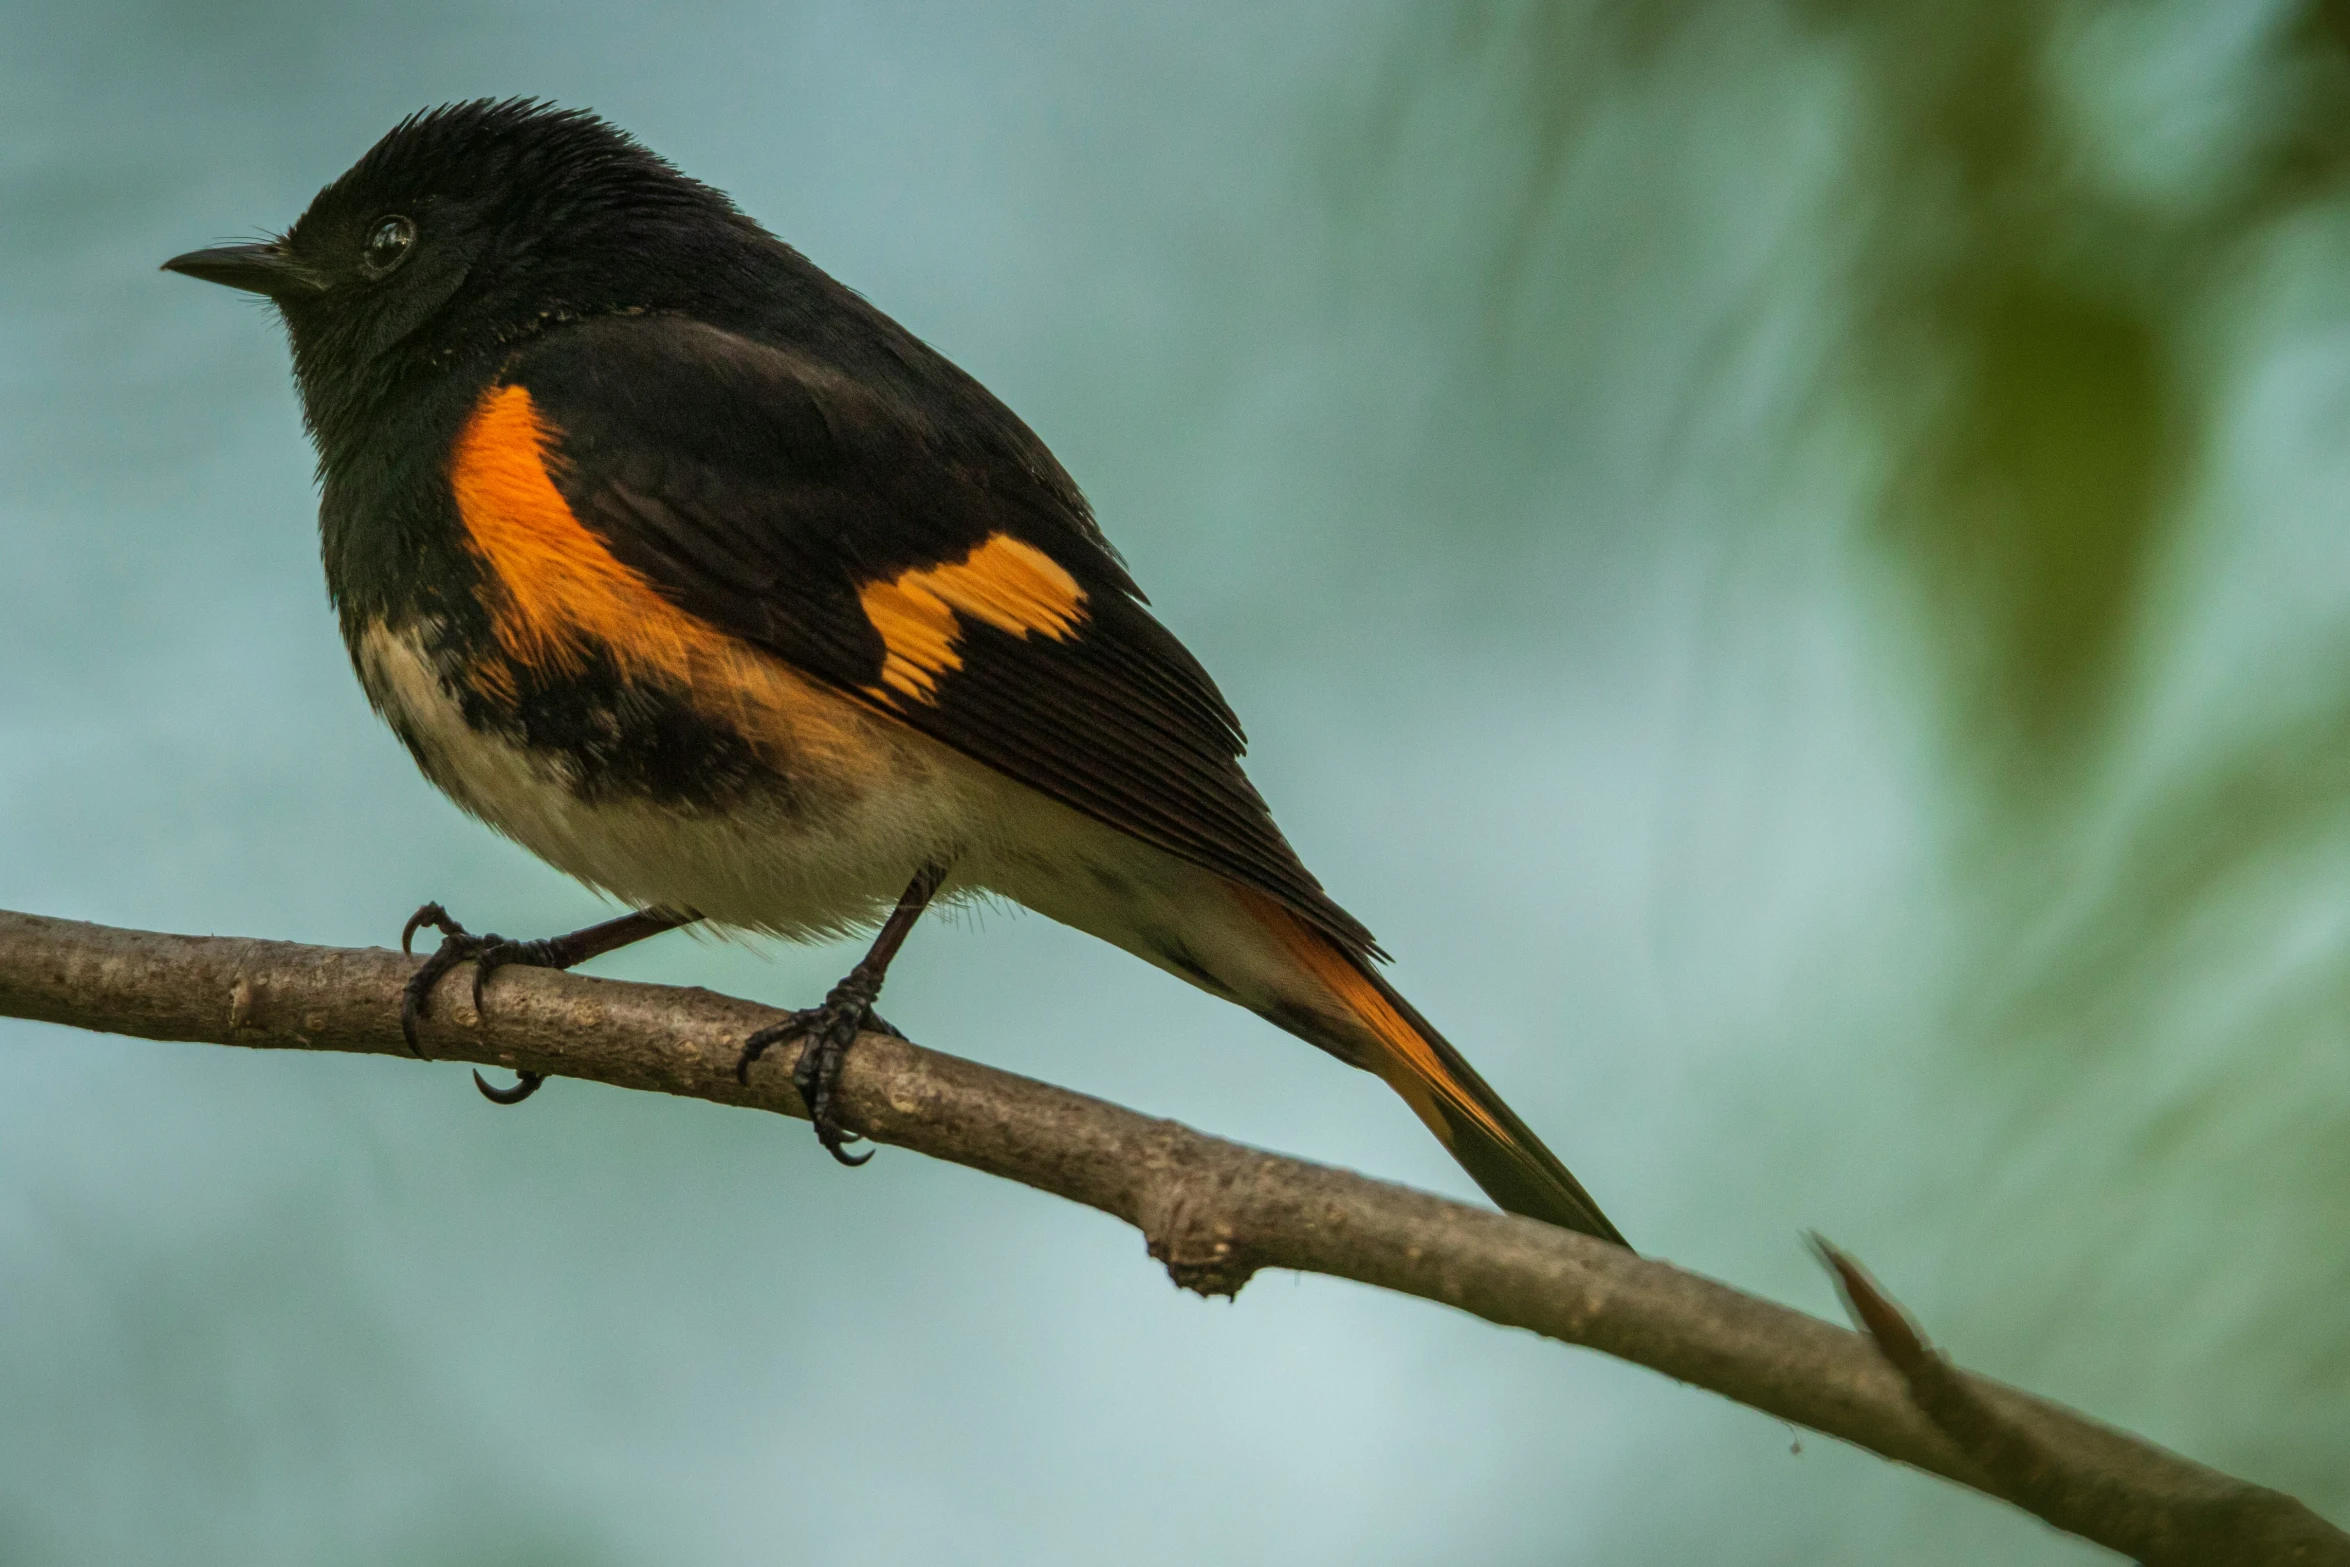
(1190, 1215)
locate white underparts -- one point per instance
(856, 830)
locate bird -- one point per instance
(674, 560)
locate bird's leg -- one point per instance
(827, 1031)
(491, 953)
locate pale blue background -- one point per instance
(1487, 401)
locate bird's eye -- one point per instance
(387, 245)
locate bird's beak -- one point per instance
(257, 269)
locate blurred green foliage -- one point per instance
(2020, 324)
(2048, 253)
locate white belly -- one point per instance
(863, 817)
(837, 861)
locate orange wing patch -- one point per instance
(564, 593)
(1005, 583)
(560, 596)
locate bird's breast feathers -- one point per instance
(807, 821)
(822, 842)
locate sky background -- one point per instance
(1789, 558)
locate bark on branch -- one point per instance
(1212, 1211)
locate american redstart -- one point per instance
(675, 561)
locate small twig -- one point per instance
(1213, 1211)
(2205, 1520)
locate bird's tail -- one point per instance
(1386, 1035)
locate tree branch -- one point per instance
(2201, 1518)
(1213, 1211)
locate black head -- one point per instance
(469, 226)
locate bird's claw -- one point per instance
(525, 1084)
(431, 914)
(826, 1032)
(457, 944)
(489, 954)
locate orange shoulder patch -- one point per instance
(562, 592)
(1005, 583)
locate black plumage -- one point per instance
(676, 560)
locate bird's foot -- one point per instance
(826, 1032)
(488, 953)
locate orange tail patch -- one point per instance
(1499, 1151)
(1409, 1063)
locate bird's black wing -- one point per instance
(910, 543)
